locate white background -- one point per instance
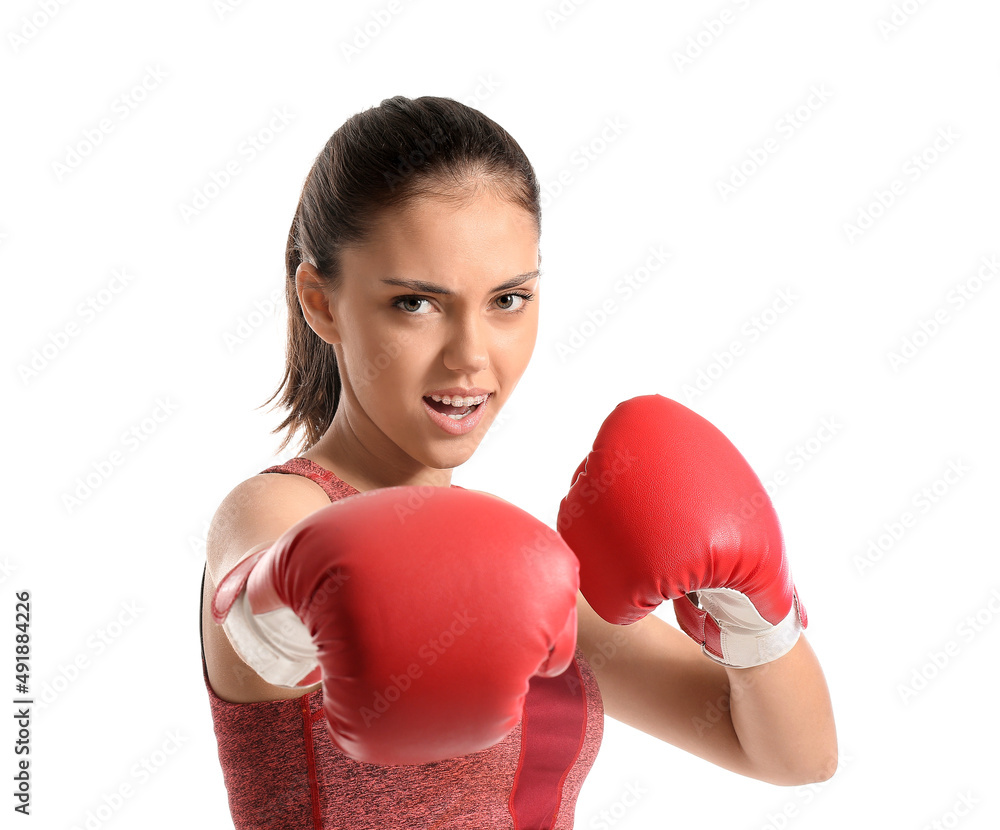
(215, 78)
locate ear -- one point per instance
(316, 302)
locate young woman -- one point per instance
(412, 282)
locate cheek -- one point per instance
(387, 361)
(516, 346)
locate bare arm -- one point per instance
(772, 722)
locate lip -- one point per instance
(458, 390)
(467, 424)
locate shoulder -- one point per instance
(275, 485)
(257, 511)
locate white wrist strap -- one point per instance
(277, 644)
(746, 638)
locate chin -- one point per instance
(449, 458)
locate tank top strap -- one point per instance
(335, 487)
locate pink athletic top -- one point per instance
(282, 770)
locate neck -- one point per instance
(364, 464)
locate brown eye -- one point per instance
(525, 298)
(410, 305)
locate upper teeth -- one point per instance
(458, 400)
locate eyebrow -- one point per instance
(431, 288)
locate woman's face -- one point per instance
(441, 301)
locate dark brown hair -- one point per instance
(379, 159)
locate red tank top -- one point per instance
(282, 770)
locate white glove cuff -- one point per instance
(746, 638)
(277, 644)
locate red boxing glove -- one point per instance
(665, 507)
(428, 615)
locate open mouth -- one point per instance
(456, 413)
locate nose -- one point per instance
(467, 349)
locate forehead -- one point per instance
(482, 239)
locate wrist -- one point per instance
(732, 632)
(743, 648)
(276, 644)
